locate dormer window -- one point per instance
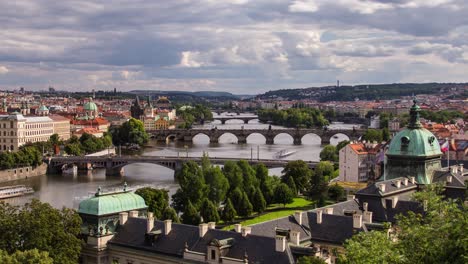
(405, 142)
(431, 140)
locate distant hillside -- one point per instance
(187, 96)
(365, 92)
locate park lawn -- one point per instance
(277, 211)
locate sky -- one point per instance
(239, 46)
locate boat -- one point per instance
(70, 169)
(13, 191)
(335, 136)
(284, 153)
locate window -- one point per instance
(213, 254)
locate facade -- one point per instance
(61, 126)
(360, 162)
(17, 130)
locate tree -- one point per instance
(385, 134)
(437, 237)
(156, 199)
(248, 174)
(261, 172)
(245, 208)
(190, 215)
(300, 172)
(73, 149)
(209, 211)
(38, 226)
(292, 186)
(217, 183)
(32, 256)
(283, 194)
(336, 192)
(329, 153)
(55, 139)
(229, 213)
(234, 175)
(170, 213)
(310, 260)
(372, 135)
(258, 202)
(131, 132)
(322, 174)
(341, 145)
(236, 198)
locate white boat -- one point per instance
(13, 191)
(70, 169)
(284, 153)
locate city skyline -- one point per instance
(240, 46)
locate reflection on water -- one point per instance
(61, 190)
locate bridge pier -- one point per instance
(188, 139)
(223, 121)
(325, 141)
(241, 139)
(270, 140)
(297, 140)
(246, 121)
(116, 171)
(214, 139)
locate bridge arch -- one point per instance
(256, 137)
(253, 119)
(285, 137)
(311, 139)
(201, 138)
(337, 138)
(228, 137)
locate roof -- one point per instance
(390, 187)
(43, 108)
(111, 203)
(90, 106)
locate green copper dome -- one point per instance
(415, 140)
(43, 108)
(90, 106)
(111, 203)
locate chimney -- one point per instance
(280, 245)
(246, 230)
(405, 181)
(382, 187)
(329, 210)
(133, 214)
(398, 183)
(449, 178)
(295, 237)
(454, 169)
(211, 225)
(460, 169)
(150, 222)
(298, 217)
(203, 228)
(365, 206)
(350, 197)
(413, 180)
(167, 226)
(367, 218)
(319, 216)
(237, 228)
(123, 218)
(394, 201)
(357, 221)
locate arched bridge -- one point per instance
(246, 119)
(187, 135)
(114, 165)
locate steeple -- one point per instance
(414, 122)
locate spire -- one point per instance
(414, 122)
(137, 100)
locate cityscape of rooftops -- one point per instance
(234, 131)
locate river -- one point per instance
(59, 190)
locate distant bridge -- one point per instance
(246, 119)
(114, 165)
(187, 135)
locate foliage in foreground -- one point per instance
(39, 226)
(32, 256)
(441, 236)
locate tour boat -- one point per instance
(13, 191)
(284, 153)
(70, 169)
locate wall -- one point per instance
(22, 173)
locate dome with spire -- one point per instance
(90, 106)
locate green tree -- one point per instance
(267, 189)
(131, 132)
(300, 172)
(336, 192)
(73, 149)
(385, 134)
(190, 215)
(341, 145)
(322, 174)
(218, 184)
(209, 211)
(170, 213)
(229, 213)
(236, 197)
(283, 194)
(329, 153)
(32, 256)
(261, 172)
(248, 174)
(310, 260)
(234, 175)
(258, 201)
(156, 199)
(372, 135)
(245, 208)
(38, 226)
(55, 139)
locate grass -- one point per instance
(275, 211)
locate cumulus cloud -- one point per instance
(4, 70)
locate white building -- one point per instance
(358, 161)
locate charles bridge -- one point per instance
(246, 119)
(114, 165)
(187, 135)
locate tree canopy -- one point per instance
(300, 172)
(156, 199)
(130, 132)
(293, 117)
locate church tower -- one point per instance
(413, 152)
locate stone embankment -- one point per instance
(22, 173)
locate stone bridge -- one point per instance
(187, 135)
(115, 165)
(246, 119)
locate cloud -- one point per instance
(4, 70)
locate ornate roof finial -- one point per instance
(125, 186)
(99, 190)
(414, 122)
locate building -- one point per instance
(17, 130)
(61, 126)
(413, 151)
(360, 162)
(163, 103)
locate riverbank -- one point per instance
(22, 173)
